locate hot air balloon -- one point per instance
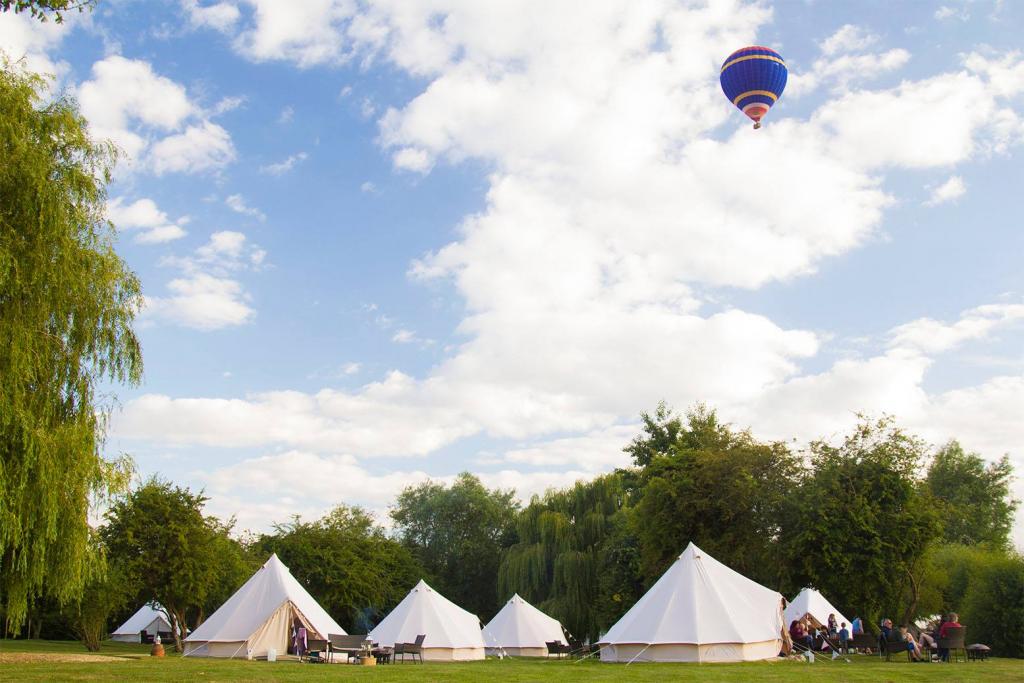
(753, 79)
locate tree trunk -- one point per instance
(178, 629)
(912, 607)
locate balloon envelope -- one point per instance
(753, 79)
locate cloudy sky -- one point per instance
(387, 240)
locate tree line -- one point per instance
(879, 522)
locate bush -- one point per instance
(994, 606)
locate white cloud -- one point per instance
(307, 33)
(597, 451)
(208, 296)
(145, 216)
(840, 72)
(949, 191)
(202, 147)
(203, 302)
(849, 38)
(227, 104)
(931, 336)
(368, 187)
(22, 37)
(151, 118)
(282, 167)
(220, 16)
(412, 159)
(946, 12)
(286, 115)
(351, 368)
(237, 204)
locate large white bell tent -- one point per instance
(699, 611)
(810, 601)
(259, 617)
(521, 630)
(451, 632)
(149, 620)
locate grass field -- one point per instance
(22, 660)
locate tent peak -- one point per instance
(693, 550)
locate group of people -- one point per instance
(929, 638)
(807, 634)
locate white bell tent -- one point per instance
(698, 611)
(149, 619)
(259, 617)
(451, 632)
(521, 630)
(810, 601)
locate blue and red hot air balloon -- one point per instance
(753, 79)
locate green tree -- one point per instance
(347, 562)
(719, 488)
(67, 302)
(993, 607)
(41, 9)
(975, 500)
(170, 551)
(104, 594)
(576, 557)
(660, 432)
(858, 525)
(458, 533)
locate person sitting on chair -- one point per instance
(799, 633)
(952, 621)
(912, 647)
(833, 627)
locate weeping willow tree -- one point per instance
(569, 560)
(67, 302)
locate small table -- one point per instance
(977, 652)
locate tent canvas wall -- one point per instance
(452, 633)
(149, 619)
(521, 630)
(259, 617)
(699, 611)
(810, 601)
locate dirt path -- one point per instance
(45, 657)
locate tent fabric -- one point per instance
(451, 632)
(699, 610)
(259, 615)
(148, 618)
(810, 601)
(520, 629)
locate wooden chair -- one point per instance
(412, 649)
(351, 645)
(892, 646)
(953, 643)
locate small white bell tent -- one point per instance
(451, 632)
(259, 617)
(810, 601)
(699, 611)
(521, 630)
(149, 620)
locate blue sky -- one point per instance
(381, 241)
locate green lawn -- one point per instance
(133, 664)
